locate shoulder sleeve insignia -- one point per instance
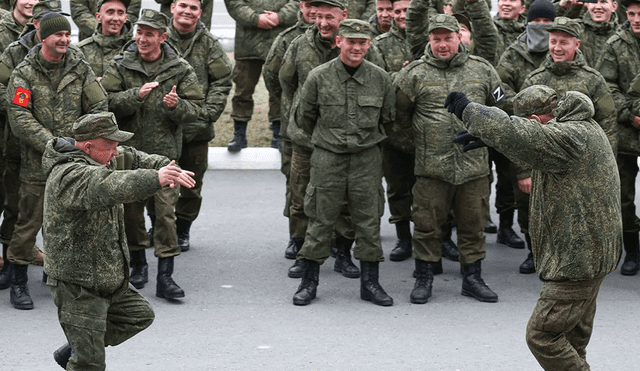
(21, 97)
(498, 94)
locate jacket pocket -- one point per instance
(370, 107)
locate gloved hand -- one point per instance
(468, 141)
(455, 103)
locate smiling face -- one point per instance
(186, 14)
(510, 9)
(352, 51)
(562, 46)
(55, 45)
(112, 15)
(308, 11)
(400, 13)
(444, 43)
(148, 41)
(602, 10)
(24, 9)
(328, 19)
(633, 14)
(101, 150)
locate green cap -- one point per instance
(626, 3)
(153, 19)
(566, 25)
(354, 29)
(463, 20)
(99, 125)
(124, 2)
(45, 6)
(535, 100)
(342, 4)
(446, 21)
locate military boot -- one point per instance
(295, 244)
(424, 282)
(309, 284)
(182, 228)
(19, 295)
(239, 140)
(139, 269)
(62, 355)
(165, 285)
(403, 248)
(437, 269)
(631, 263)
(7, 269)
(297, 269)
(276, 141)
(449, 248)
(150, 231)
(370, 289)
(490, 227)
(528, 266)
(506, 234)
(473, 285)
(343, 263)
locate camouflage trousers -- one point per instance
(195, 158)
(433, 200)
(92, 320)
(504, 187)
(334, 177)
(11, 177)
(561, 324)
(161, 207)
(29, 223)
(398, 169)
(628, 170)
(246, 74)
(285, 168)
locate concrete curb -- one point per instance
(247, 159)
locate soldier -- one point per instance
(113, 31)
(84, 13)
(85, 240)
(619, 65)
(343, 106)
(213, 68)
(48, 91)
(206, 6)
(510, 23)
(576, 242)
(381, 21)
(154, 93)
(11, 27)
(361, 9)
(447, 178)
(258, 22)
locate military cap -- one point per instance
(124, 2)
(99, 125)
(463, 20)
(534, 100)
(153, 19)
(446, 21)
(354, 29)
(46, 6)
(566, 25)
(626, 3)
(342, 4)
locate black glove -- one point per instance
(468, 141)
(456, 102)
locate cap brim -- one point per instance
(559, 29)
(149, 24)
(119, 136)
(448, 28)
(356, 35)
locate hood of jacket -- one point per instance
(600, 28)
(130, 60)
(508, 25)
(113, 42)
(574, 106)
(565, 68)
(62, 150)
(73, 56)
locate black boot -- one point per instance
(473, 285)
(296, 270)
(490, 227)
(528, 266)
(506, 234)
(7, 268)
(309, 284)
(370, 289)
(449, 248)
(437, 269)
(239, 140)
(403, 248)
(424, 282)
(62, 355)
(343, 262)
(19, 294)
(182, 228)
(150, 231)
(276, 141)
(631, 263)
(166, 286)
(295, 244)
(139, 269)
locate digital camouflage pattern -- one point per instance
(375, 28)
(213, 69)
(10, 30)
(99, 49)
(423, 86)
(83, 13)
(157, 128)
(252, 42)
(575, 216)
(416, 25)
(594, 36)
(206, 6)
(361, 9)
(83, 213)
(508, 32)
(56, 100)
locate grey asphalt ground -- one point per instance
(238, 314)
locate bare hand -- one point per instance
(146, 89)
(636, 122)
(264, 22)
(405, 64)
(525, 185)
(171, 175)
(171, 99)
(273, 18)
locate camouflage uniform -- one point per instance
(5, 5)
(99, 49)
(375, 28)
(206, 6)
(10, 31)
(83, 13)
(508, 31)
(576, 241)
(594, 36)
(361, 9)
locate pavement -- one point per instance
(238, 312)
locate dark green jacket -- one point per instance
(99, 49)
(83, 13)
(361, 9)
(594, 36)
(10, 31)
(508, 32)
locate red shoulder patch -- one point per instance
(21, 97)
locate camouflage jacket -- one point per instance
(99, 49)
(594, 36)
(252, 42)
(213, 68)
(577, 76)
(305, 53)
(39, 111)
(619, 65)
(422, 88)
(9, 31)
(83, 13)
(157, 128)
(344, 113)
(508, 32)
(83, 220)
(575, 215)
(12, 56)
(375, 28)
(361, 9)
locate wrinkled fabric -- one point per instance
(83, 13)
(99, 49)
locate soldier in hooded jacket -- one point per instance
(83, 13)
